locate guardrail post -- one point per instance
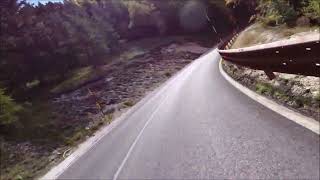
(270, 74)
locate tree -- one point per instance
(311, 8)
(274, 12)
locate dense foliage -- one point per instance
(312, 9)
(44, 42)
(275, 12)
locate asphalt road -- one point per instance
(198, 126)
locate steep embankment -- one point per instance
(301, 93)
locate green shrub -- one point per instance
(281, 96)
(275, 12)
(8, 109)
(128, 103)
(311, 9)
(76, 137)
(263, 88)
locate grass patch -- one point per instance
(108, 118)
(128, 103)
(303, 101)
(259, 34)
(18, 172)
(38, 124)
(264, 88)
(281, 96)
(25, 169)
(132, 53)
(81, 133)
(268, 89)
(76, 78)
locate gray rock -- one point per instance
(109, 109)
(294, 104)
(297, 90)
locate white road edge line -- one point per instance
(300, 119)
(115, 177)
(87, 145)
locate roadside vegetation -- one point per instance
(300, 93)
(289, 12)
(277, 20)
(9, 109)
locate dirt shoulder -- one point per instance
(68, 119)
(300, 93)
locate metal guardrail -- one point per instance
(302, 58)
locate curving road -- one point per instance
(198, 126)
